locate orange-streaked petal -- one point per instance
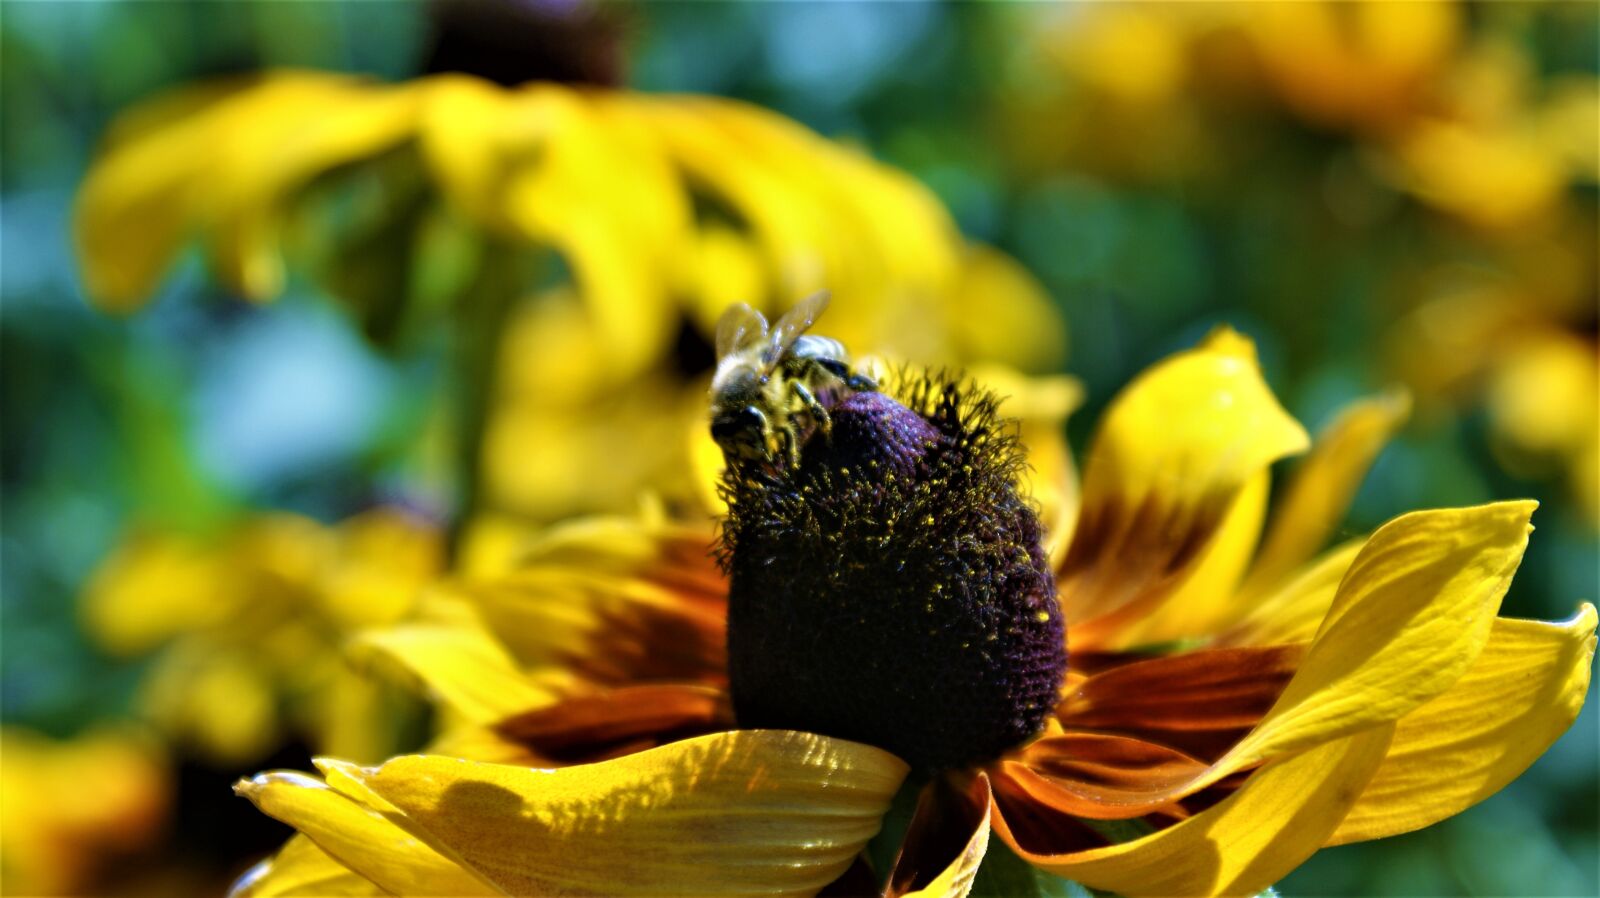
(1293, 612)
(1319, 494)
(1201, 702)
(358, 837)
(1209, 598)
(765, 811)
(946, 842)
(1281, 816)
(300, 868)
(615, 600)
(586, 727)
(1173, 453)
(1522, 693)
(1410, 617)
(1098, 775)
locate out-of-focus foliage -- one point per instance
(1378, 193)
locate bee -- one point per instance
(769, 383)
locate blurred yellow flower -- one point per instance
(1237, 707)
(72, 808)
(651, 212)
(1450, 110)
(250, 628)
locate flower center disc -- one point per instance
(891, 588)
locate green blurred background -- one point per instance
(1151, 208)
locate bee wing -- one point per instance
(794, 323)
(739, 327)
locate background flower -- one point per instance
(1417, 179)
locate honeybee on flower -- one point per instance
(893, 613)
(767, 384)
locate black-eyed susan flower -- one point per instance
(890, 607)
(248, 628)
(587, 237)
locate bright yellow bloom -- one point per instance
(1245, 706)
(72, 808)
(649, 213)
(251, 627)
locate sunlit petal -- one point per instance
(733, 813)
(1280, 817)
(1323, 485)
(1522, 693)
(358, 837)
(300, 868)
(1172, 455)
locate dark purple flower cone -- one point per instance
(891, 588)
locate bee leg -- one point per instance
(817, 412)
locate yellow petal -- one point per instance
(1280, 817)
(1411, 615)
(357, 837)
(1172, 454)
(461, 666)
(1014, 321)
(1209, 599)
(154, 587)
(614, 599)
(1523, 692)
(1409, 619)
(938, 823)
(1319, 495)
(300, 868)
(134, 209)
(615, 212)
(1293, 612)
(746, 812)
(276, 137)
(470, 137)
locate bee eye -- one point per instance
(739, 424)
(764, 378)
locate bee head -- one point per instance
(741, 431)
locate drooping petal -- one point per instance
(302, 869)
(1292, 612)
(1281, 816)
(460, 666)
(945, 843)
(1172, 455)
(358, 837)
(1323, 485)
(1521, 694)
(1410, 617)
(753, 811)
